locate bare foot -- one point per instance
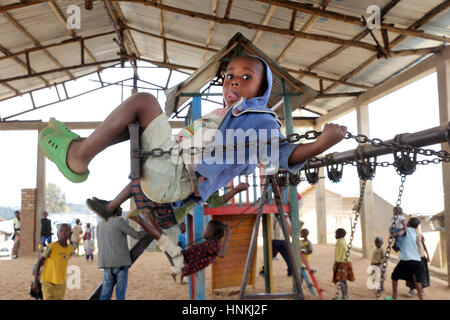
(73, 160)
(174, 276)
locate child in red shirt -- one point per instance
(194, 258)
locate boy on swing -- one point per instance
(195, 257)
(175, 179)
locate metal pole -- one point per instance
(418, 139)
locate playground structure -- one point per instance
(291, 93)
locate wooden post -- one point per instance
(443, 75)
(321, 209)
(367, 209)
(40, 195)
(293, 198)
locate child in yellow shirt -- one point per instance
(54, 260)
(342, 271)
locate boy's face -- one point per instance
(182, 228)
(378, 243)
(209, 232)
(244, 78)
(64, 233)
(303, 234)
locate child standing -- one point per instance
(88, 241)
(409, 266)
(182, 236)
(169, 179)
(306, 245)
(194, 258)
(378, 257)
(55, 260)
(425, 259)
(342, 271)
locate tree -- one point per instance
(55, 199)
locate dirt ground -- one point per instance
(149, 279)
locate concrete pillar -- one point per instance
(367, 209)
(27, 222)
(443, 77)
(321, 209)
(40, 196)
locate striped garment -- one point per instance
(200, 256)
(162, 213)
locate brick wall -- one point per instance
(27, 221)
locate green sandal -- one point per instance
(55, 144)
(59, 126)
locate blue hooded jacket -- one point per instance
(245, 115)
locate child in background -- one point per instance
(55, 260)
(88, 242)
(342, 271)
(182, 236)
(400, 224)
(195, 257)
(306, 245)
(409, 266)
(425, 259)
(378, 257)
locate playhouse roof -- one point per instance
(323, 43)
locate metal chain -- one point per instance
(443, 155)
(352, 234)
(391, 236)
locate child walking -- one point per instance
(55, 260)
(194, 258)
(306, 245)
(342, 271)
(246, 91)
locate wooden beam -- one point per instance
(338, 95)
(228, 9)
(35, 42)
(321, 77)
(420, 70)
(426, 18)
(71, 32)
(211, 28)
(161, 63)
(358, 37)
(281, 31)
(63, 69)
(22, 64)
(305, 28)
(302, 7)
(127, 32)
(62, 43)
(265, 21)
(161, 32)
(190, 44)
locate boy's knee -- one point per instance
(145, 97)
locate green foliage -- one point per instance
(55, 199)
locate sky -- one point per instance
(410, 109)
